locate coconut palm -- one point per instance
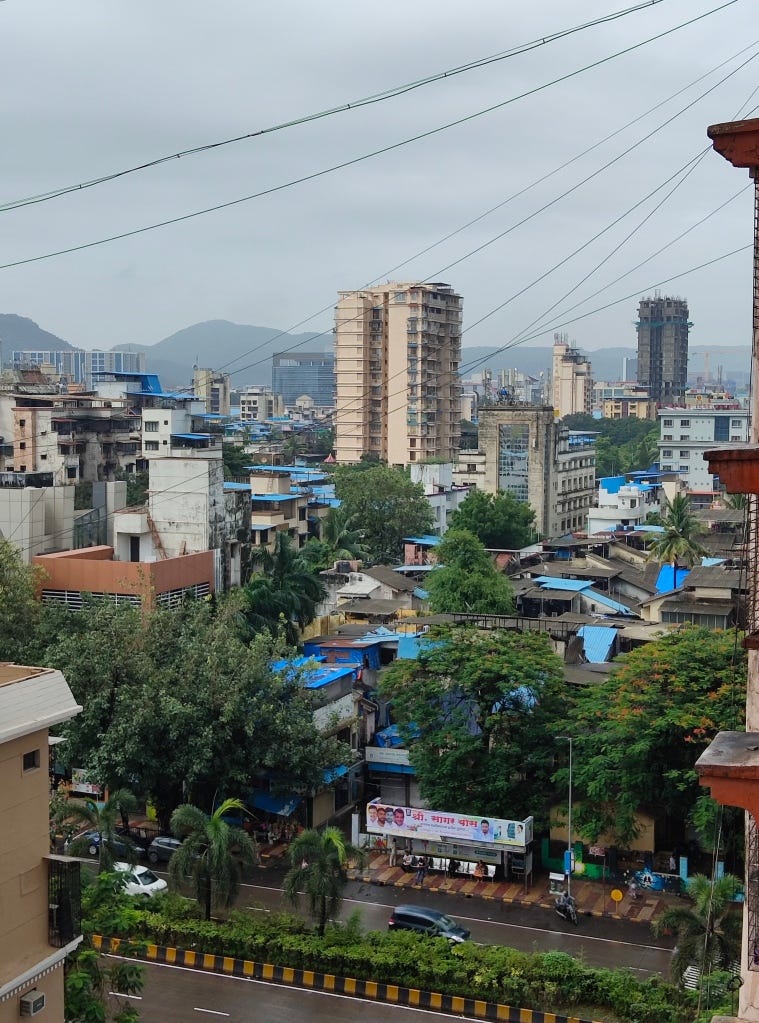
(679, 541)
(708, 933)
(212, 853)
(286, 590)
(340, 530)
(102, 820)
(319, 861)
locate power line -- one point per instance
(379, 97)
(358, 159)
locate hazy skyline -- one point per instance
(91, 88)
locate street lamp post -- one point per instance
(568, 865)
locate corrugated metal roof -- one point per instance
(597, 642)
(601, 598)
(551, 582)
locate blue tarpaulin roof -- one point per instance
(388, 737)
(665, 581)
(333, 773)
(424, 541)
(549, 583)
(597, 642)
(611, 484)
(284, 806)
(600, 598)
(192, 436)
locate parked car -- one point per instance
(140, 834)
(140, 880)
(89, 841)
(427, 921)
(161, 849)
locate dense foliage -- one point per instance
(479, 712)
(639, 733)
(319, 870)
(19, 608)
(387, 505)
(467, 579)
(621, 445)
(499, 521)
(285, 593)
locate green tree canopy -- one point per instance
(621, 445)
(212, 853)
(478, 711)
(387, 505)
(103, 819)
(467, 580)
(678, 544)
(318, 869)
(639, 733)
(341, 540)
(285, 593)
(497, 520)
(19, 607)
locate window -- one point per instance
(736, 423)
(736, 438)
(471, 467)
(685, 424)
(22, 423)
(685, 454)
(43, 458)
(150, 425)
(667, 436)
(667, 422)
(22, 445)
(399, 296)
(684, 468)
(31, 760)
(151, 445)
(666, 453)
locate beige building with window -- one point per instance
(39, 892)
(397, 353)
(572, 379)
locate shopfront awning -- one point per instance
(283, 806)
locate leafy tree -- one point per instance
(180, 703)
(19, 607)
(137, 487)
(388, 506)
(235, 459)
(621, 445)
(639, 733)
(318, 869)
(90, 986)
(103, 819)
(467, 580)
(708, 932)
(679, 541)
(497, 520)
(212, 853)
(285, 593)
(478, 711)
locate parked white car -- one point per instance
(140, 880)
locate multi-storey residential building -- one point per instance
(39, 892)
(77, 366)
(571, 379)
(296, 374)
(623, 504)
(685, 433)
(257, 404)
(213, 389)
(663, 328)
(530, 455)
(623, 401)
(397, 352)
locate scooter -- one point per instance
(567, 909)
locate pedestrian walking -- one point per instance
(421, 871)
(393, 851)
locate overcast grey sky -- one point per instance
(93, 86)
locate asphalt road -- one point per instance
(175, 994)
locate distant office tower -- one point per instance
(629, 369)
(397, 352)
(212, 388)
(572, 379)
(311, 373)
(533, 457)
(79, 366)
(663, 327)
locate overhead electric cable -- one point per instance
(374, 98)
(358, 159)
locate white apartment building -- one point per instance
(257, 404)
(685, 433)
(443, 495)
(622, 504)
(397, 353)
(571, 379)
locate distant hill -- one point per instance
(245, 351)
(22, 334)
(216, 343)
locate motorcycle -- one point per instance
(567, 909)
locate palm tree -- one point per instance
(102, 820)
(679, 541)
(212, 853)
(340, 530)
(285, 590)
(319, 861)
(708, 933)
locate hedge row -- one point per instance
(548, 981)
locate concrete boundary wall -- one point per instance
(369, 989)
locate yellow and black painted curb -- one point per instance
(370, 989)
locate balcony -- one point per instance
(64, 900)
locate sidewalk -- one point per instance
(593, 899)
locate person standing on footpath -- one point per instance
(421, 871)
(393, 851)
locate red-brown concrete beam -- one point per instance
(737, 141)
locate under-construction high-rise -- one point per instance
(663, 327)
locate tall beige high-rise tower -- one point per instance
(397, 352)
(572, 379)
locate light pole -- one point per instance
(568, 864)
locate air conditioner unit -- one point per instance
(31, 1003)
